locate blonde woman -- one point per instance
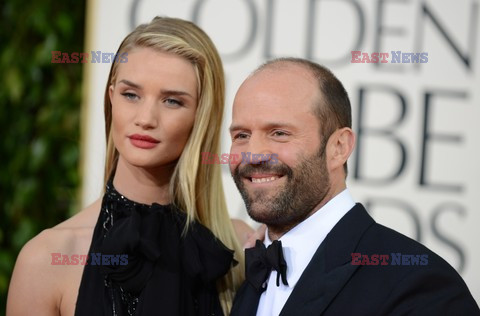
(160, 241)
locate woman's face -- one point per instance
(154, 100)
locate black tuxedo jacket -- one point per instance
(332, 285)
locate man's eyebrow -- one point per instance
(234, 128)
(266, 126)
(272, 125)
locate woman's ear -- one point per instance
(339, 147)
(110, 92)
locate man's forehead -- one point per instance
(283, 69)
(278, 89)
(287, 82)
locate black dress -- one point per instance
(140, 263)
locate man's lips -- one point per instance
(263, 178)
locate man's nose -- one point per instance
(259, 150)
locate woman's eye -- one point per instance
(173, 102)
(130, 96)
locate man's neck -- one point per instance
(276, 232)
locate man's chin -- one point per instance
(261, 214)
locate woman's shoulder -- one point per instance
(36, 279)
(86, 218)
(67, 236)
(242, 230)
(246, 235)
(71, 236)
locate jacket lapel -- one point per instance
(330, 267)
(246, 301)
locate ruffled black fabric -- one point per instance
(168, 273)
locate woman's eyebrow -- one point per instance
(131, 84)
(163, 91)
(176, 93)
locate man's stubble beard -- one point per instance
(306, 186)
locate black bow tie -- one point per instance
(260, 261)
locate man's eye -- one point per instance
(240, 136)
(279, 133)
(130, 96)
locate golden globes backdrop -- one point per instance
(411, 68)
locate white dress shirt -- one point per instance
(299, 245)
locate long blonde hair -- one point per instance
(195, 188)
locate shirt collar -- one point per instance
(300, 243)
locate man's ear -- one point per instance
(339, 147)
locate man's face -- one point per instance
(273, 114)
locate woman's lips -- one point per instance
(143, 141)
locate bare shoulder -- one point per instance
(37, 286)
(86, 218)
(242, 230)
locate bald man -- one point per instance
(322, 254)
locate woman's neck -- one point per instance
(143, 185)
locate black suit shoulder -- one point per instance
(414, 280)
(403, 252)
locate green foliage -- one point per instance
(39, 121)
